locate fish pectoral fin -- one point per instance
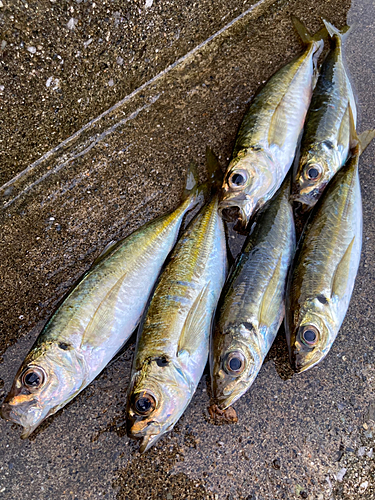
(353, 137)
(193, 329)
(341, 276)
(99, 325)
(343, 135)
(107, 249)
(270, 306)
(278, 127)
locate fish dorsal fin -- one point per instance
(341, 276)
(278, 130)
(102, 320)
(107, 249)
(270, 306)
(195, 323)
(365, 138)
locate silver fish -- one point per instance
(252, 307)
(324, 270)
(268, 136)
(326, 138)
(173, 341)
(95, 320)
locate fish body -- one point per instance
(252, 307)
(326, 138)
(94, 321)
(324, 269)
(268, 137)
(173, 339)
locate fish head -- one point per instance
(311, 339)
(313, 175)
(248, 183)
(234, 363)
(158, 395)
(45, 382)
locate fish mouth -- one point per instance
(7, 413)
(148, 441)
(300, 365)
(307, 198)
(138, 430)
(232, 212)
(224, 402)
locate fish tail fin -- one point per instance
(333, 31)
(307, 38)
(215, 174)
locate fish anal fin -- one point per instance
(341, 276)
(270, 306)
(192, 331)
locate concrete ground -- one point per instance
(103, 106)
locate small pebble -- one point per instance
(276, 463)
(361, 451)
(32, 50)
(340, 475)
(363, 487)
(71, 23)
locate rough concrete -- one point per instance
(301, 436)
(64, 62)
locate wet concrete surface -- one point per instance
(297, 436)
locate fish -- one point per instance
(268, 136)
(173, 339)
(252, 304)
(96, 318)
(326, 138)
(325, 266)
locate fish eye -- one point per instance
(234, 363)
(144, 403)
(313, 172)
(238, 179)
(309, 335)
(33, 377)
